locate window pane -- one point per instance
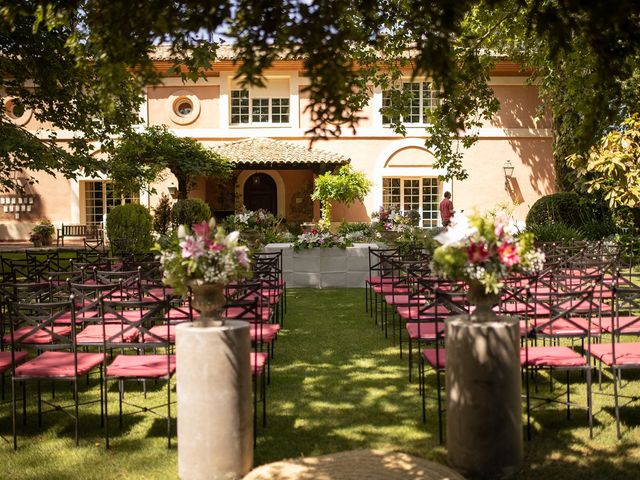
(260, 110)
(414, 115)
(239, 106)
(388, 102)
(430, 197)
(391, 193)
(280, 110)
(411, 190)
(430, 99)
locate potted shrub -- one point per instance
(42, 233)
(129, 229)
(345, 185)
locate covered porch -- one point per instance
(274, 175)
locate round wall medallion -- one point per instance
(16, 111)
(183, 107)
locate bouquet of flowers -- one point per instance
(203, 254)
(393, 220)
(485, 250)
(255, 220)
(317, 239)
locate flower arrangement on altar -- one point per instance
(203, 254)
(393, 220)
(253, 220)
(321, 239)
(485, 250)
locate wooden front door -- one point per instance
(260, 192)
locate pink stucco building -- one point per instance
(279, 175)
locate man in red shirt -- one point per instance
(446, 209)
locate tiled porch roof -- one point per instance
(269, 152)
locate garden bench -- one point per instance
(78, 231)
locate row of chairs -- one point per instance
(120, 325)
(586, 294)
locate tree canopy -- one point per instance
(82, 64)
(140, 159)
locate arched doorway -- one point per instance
(260, 191)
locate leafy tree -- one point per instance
(89, 60)
(612, 168)
(345, 185)
(141, 158)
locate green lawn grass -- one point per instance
(336, 384)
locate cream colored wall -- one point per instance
(515, 134)
(52, 201)
(161, 99)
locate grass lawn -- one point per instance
(336, 384)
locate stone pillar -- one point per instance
(484, 409)
(215, 421)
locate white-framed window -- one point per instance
(248, 110)
(99, 199)
(423, 100)
(421, 194)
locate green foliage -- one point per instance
(162, 216)
(189, 211)
(562, 207)
(556, 232)
(45, 229)
(356, 227)
(612, 169)
(129, 228)
(345, 185)
(141, 158)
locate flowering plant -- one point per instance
(257, 220)
(485, 250)
(203, 254)
(320, 239)
(393, 220)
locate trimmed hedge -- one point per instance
(561, 207)
(129, 228)
(189, 211)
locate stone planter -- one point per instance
(484, 410)
(390, 237)
(215, 423)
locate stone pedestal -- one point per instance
(215, 426)
(484, 409)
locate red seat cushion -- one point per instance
(405, 299)
(142, 366)
(435, 358)
(241, 313)
(65, 318)
(263, 332)
(179, 313)
(390, 288)
(625, 324)
(552, 357)
(417, 313)
(167, 335)
(626, 353)
(59, 365)
(575, 327)
(258, 360)
(5, 359)
(425, 330)
(40, 337)
(122, 316)
(377, 280)
(93, 334)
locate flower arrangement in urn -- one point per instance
(484, 251)
(205, 258)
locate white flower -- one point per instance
(232, 237)
(458, 230)
(182, 231)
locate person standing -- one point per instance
(446, 209)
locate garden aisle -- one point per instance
(337, 384)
